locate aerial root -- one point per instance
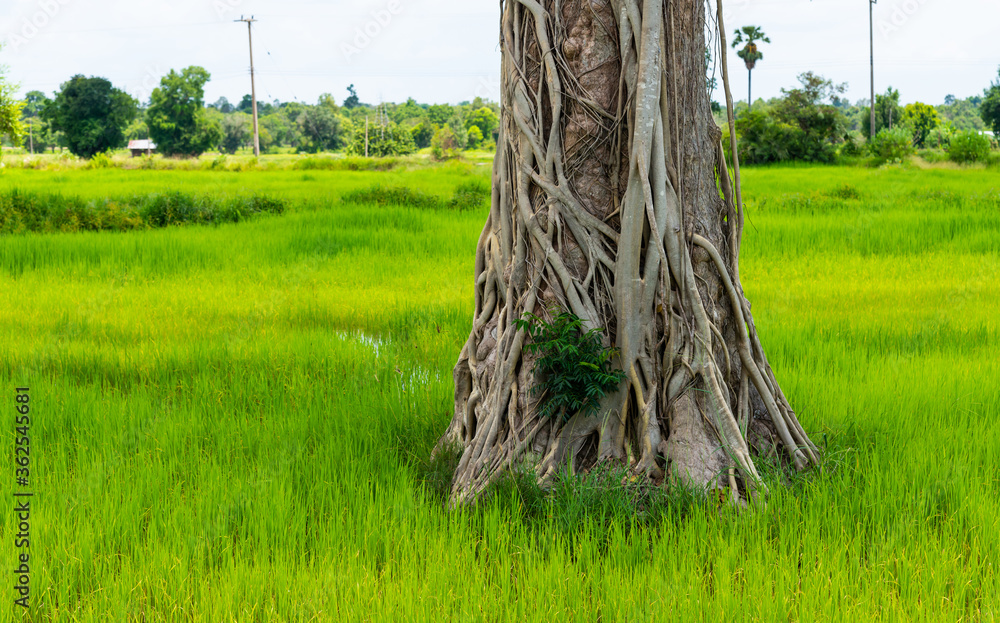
(628, 270)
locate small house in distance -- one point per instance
(143, 147)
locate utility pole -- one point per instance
(31, 139)
(366, 136)
(871, 34)
(253, 87)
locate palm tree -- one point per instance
(750, 54)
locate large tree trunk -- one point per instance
(612, 200)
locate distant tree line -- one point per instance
(815, 123)
(812, 122)
(88, 115)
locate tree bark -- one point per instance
(612, 200)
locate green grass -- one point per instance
(22, 212)
(233, 423)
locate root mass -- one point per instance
(612, 199)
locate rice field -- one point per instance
(233, 422)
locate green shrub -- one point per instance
(354, 163)
(844, 192)
(851, 147)
(23, 212)
(969, 147)
(575, 366)
(933, 156)
(470, 195)
(939, 137)
(176, 208)
(380, 195)
(892, 145)
(390, 140)
(101, 160)
(445, 145)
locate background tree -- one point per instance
(422, 133)
(222, 105)
(137, 129)
(888, 113)
(177, 119)
(388, 140)
(963, 114)
(444, 144)
(612, 200)
(749, 53)
(326, 100)
(237, 131)
(34, 103)
(474, 137)
(352, 100)
(921, 119)
(408, 111)
(321, 129)
(439, 114)
(92, 115)
(485, 120)
(11, 124)
(246, 106)
(803, 125)
(39, 135)
(989, 109)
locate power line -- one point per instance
(277, 70)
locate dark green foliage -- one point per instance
(91, 114)
(888, 113)
(921, 119)
(322, 129)
(178, 121)
(799, 126)
(351, 101)
(989, 109)
(439, 114)
(962, 114)
(763, 139)
(445, 144)
(437, 472)
(470, 195)
(380, 195)
(237, 131)
(178, 208)
(22, 212)
(35, 103)
(852, 148)
(347, 164)
(390, 140)
(969, 147)
(574, 365)
(246, 106)
(844, 192)
(422, 133)
(484, 119)
(933, 156)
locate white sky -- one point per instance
(446, 51)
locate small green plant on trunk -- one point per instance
(574, 364)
